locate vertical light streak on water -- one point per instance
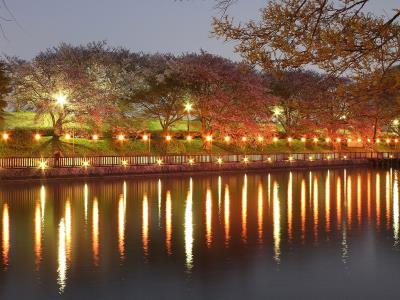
(168, 223)
(269, 190)
(328, 202)
(276, 223)
(244, 210)
(121, 226)
(315, 207)
(42, 201)
(85, 200)
(339, 201)
(290, 206)
(369, 197)
(62, 257)
(68, 230)
(303, 209)
(159, 194)
(38, 235)
(260, 210)
(208, 217)
(359, 202)
(387, 198)
(349, 201)
(378, 199)
(189, 227)
(396, 209)
(95, 232)
(145, 225)
(310, 187)
(227, 215)
(5, 235)
(219, 196)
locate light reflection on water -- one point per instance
(194, 224)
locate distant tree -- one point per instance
(299, 101)
(67, 83)
(158, 94)
(5, 89)
(375, 103)
(228, 98)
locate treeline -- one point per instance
(99, 86)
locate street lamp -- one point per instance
(188, 109)
(146, 138)
(61, 98)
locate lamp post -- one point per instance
(188, 109)
(146, 138)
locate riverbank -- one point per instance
(149, 170)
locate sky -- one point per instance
(141, 25)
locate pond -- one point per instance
(331, 234)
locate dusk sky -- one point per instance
(140, 25)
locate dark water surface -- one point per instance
(322, 234)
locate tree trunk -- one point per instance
(375, 128)
(57, 130)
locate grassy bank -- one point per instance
(107, 146)
(23, 125)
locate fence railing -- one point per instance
(141, 160)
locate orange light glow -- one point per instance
(95, 137)
(67, 136)
(38, 136)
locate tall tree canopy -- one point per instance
(69, 83)
(336, 36)
(228, 98)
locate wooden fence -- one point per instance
(138, 160)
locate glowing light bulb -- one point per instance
(227, 139)
(121, 137)
(244, 139)
(387, 141)
(315, 140)
(191, 161)
(219, 160)
(378, 140)
(303, 139)
(209, 138)
(246, 160)
(85, 164)
(145, 137)
(338, 140)
(37, 136)
(159, 161)
(67, 136)
(95, 137)
(189, 138)
(327, 140)
(6, 136)
(42, 164)
(359, 140)
(168, 138)
(275, 139)
(124, 163)
(260, 139)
